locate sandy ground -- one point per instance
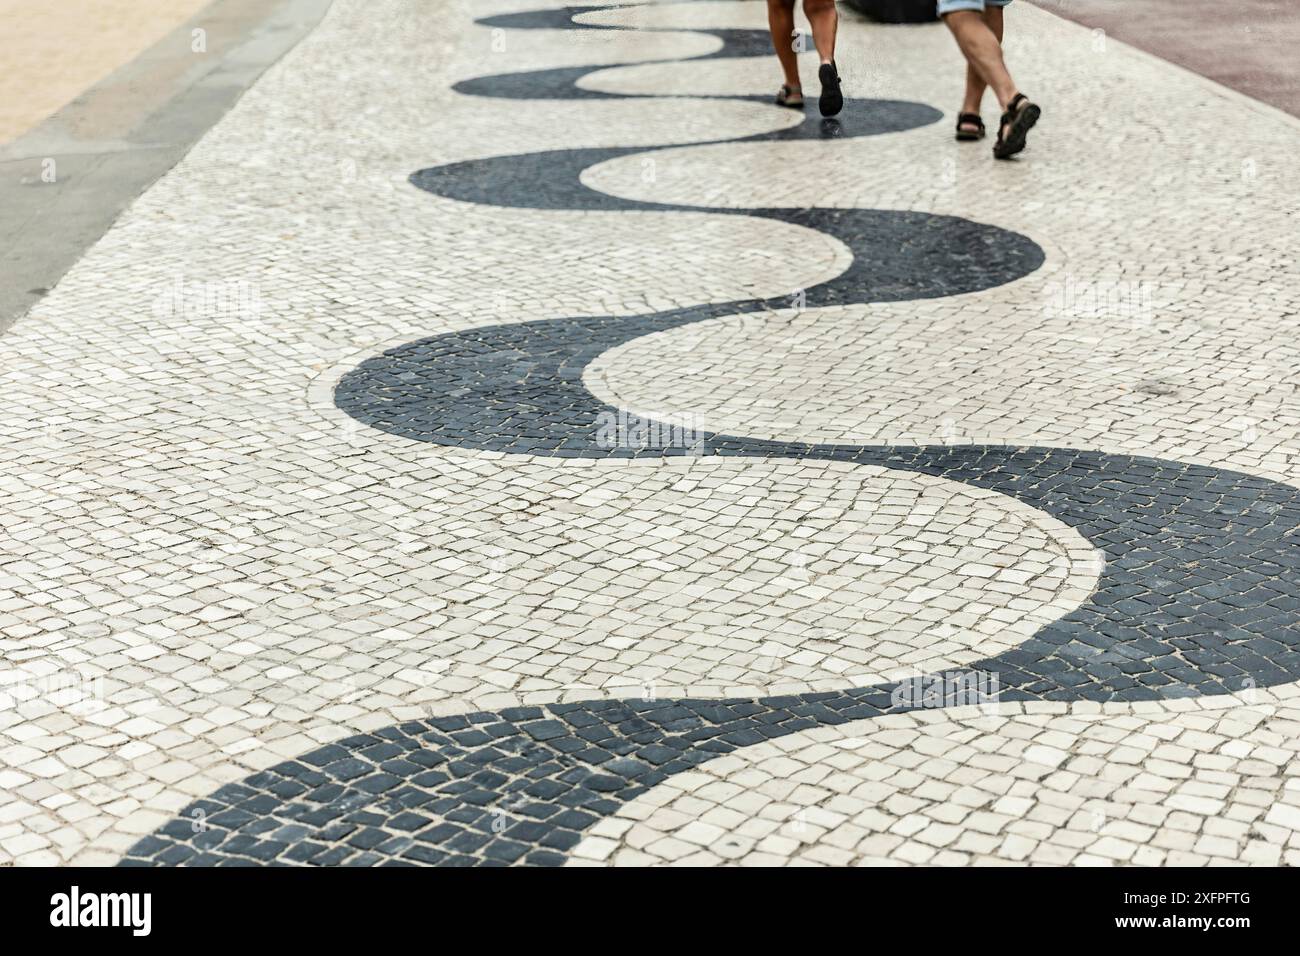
(51, 52)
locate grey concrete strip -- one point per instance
(63, 184)
(1247, 45)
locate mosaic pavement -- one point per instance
(570, 458)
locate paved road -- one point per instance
(501, 439)
(1249, 45)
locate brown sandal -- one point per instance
(790, 97)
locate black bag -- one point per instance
(898, 11)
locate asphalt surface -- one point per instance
(1248, 45)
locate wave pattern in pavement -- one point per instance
(1199, 594)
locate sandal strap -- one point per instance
(971, 119)
(1013, 107)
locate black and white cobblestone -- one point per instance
(290, 546)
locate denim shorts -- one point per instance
(952, 6)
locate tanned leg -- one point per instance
(983, 52)
(824, 20)
(975, 85)
(780, 20)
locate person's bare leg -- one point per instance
(780, 20)
(975, 85)
(983, 52)
(824, 20)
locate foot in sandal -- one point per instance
(832, 100)
(790, 96)
(1017, 121)
(970, 127)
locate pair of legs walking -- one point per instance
(824, 20)
(977, 25)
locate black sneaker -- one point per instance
(832, 100)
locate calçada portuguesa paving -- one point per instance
(507, 438)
